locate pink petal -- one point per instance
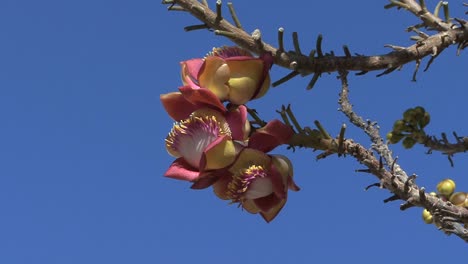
(267, 138)
(177, 106)
(207, 179)
(271, 214)
(237, 121)
(202, 97)
(190, 71)
(267, 60)
(220, 153)
(292, 185)
(181, 170)
(278, 186)
(220, 187)
(266, 203)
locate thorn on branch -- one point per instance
(377, 184)
(257, 37)
(387, 71)
(283, 115)
(392, 198)
(219, 15)
(280, 40)
(293, 119)
(361, 73)
(254, 115)
(286, 78)
(446, 11)
(313, 80)
(422, 3)
(341, 140)
(396, 4)
(322, 130)
(197, 27)
(437, 9)
(173, 7)
(297, 48)
(406, 205)
(432, 59)
(234, 15)
(392, 169)
(226, 34)
(450, 160)
(409, 182)
(422, 195)
(319, 46)
(346, 51)
(312, 55)
(418, 63)
(363, 170)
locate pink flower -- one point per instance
(230, 73)
(258, 182)
(179, 108)
(201, 142)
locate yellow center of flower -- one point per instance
(250, 183)
(189, 138)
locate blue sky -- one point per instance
(82, 139)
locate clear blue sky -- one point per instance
(82, 139)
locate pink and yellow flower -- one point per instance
(179, 108)
(201, 142)
(229, 73)
(258, 182)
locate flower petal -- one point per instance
(181, 170)
(248, 157)
(220, 187)
(266, 203)
(267, 138)
(250, 206)
(214, 76)
(176, 105)
(238, 122)
(246, 77)
(206, 179)
(273, 212)
(190, 70)
(219, 154)
(279, 182)
(202, 97)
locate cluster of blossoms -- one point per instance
(212, 139)
(446, 191)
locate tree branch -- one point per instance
(396, 181)
(305, 65)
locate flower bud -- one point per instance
(409, 115)
(408, 142)
(427, 217)
(424, 121)
(394, 137)
(399, 126)
(459, 198)
(230, 73)
(446, 187)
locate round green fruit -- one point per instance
(458, 198)
(427, 217)
(446, 187)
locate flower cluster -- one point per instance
(212, 139)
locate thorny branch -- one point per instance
(403, 187)
(448, 34)
(396, 180)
